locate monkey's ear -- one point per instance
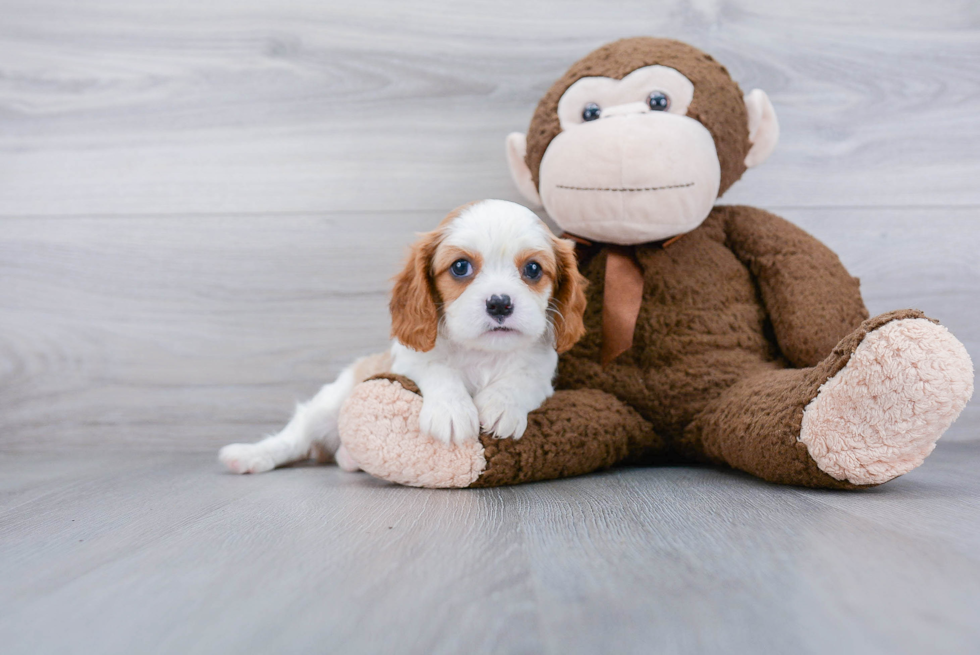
(414, 316)
(521, 174)
(763, 127)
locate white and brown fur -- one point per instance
(476, 370)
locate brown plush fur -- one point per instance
(704, 323)
(717, 100)
(755, 424)
(563, 444)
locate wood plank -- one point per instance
(171, 555)
(107, 320)
(696, 561)
(936, 505)
(165, 553)
(118, 108)
(194, 332)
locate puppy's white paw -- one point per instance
(500, 415)
(450, 419)
(246, 458)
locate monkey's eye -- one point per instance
(591, 112)
(658, 101)
(461, 268)
(532, 271)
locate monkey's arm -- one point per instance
(813, 302)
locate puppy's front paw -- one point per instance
(449, 419)
(500, 415)
(246, 458)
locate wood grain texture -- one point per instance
(150, 553)
(188, 334)
(110, 107)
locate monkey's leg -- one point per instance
(574, 432)
(870, 412)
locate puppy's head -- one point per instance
(494, 278)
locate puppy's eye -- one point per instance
(591, 112)
(532, 271)
(461, 268)
(658, 101)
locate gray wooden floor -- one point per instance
(200, 206)
(139, 553)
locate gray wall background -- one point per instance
(201, 203)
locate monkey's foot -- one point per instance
(379, 429)
(574, 432)
(882, 413)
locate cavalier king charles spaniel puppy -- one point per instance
(479, 314)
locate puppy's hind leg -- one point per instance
(313, 428)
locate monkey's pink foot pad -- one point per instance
(379, 429)
(881, 415)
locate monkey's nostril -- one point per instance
(500, 307)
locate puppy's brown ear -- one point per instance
(414, 316)
(569, 297)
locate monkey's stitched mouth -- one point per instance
(625, 189)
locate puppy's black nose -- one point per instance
(500, 307)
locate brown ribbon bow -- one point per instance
(622, 296)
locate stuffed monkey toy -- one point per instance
(715, 334)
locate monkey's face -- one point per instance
(638, 139)
(629, 165)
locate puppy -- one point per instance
(479, 314)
